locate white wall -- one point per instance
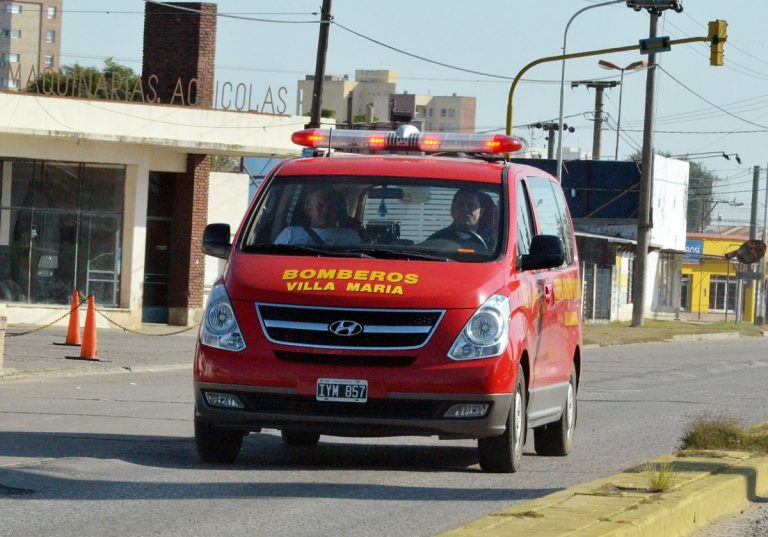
(670, 197)
(227, 202)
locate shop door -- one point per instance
(157, 254)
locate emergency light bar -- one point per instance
(406, 140)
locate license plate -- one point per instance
(342, 390)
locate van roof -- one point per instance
(397, 166)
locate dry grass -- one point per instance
(725, 434)
(619, 333)
(660, 476)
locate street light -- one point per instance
(641, 64)
(562, 86)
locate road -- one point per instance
(113, 454)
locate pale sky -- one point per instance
(496, 37)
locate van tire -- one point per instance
(504, 453)
(217, 444)
(556, 439)
(293, 437)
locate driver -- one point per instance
(467, 212)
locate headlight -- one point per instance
(220, 328)
(485, 334)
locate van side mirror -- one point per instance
(216, 240)
(546, 251)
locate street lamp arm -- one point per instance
(584, 54)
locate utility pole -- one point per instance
(599, 87)
(752, 281)
(322, 49)
(644, 217)
(763, 295)
(550, 127)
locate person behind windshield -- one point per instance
(324, 208)
(467, 212)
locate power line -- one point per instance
(227, 15)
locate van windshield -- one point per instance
(402, 218)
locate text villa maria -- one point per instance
(227, 96)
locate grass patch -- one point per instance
(618, 333)
(725, 433)
(528, 514)
(660, 475)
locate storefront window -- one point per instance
(722, 294)
(60, 230)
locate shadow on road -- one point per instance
(262, 452)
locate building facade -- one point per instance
(110, 197)
(716, 288)
(30, 40)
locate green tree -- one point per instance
(328, 113)
(113, 82)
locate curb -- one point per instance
(708, 485)
(14, 375)
(706, 337)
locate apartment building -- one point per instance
(372, 97)
(30, 40)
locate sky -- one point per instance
(268, 44)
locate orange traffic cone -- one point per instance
(73, 332)
(88, 349)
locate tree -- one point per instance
(113, 82)
(328, 113)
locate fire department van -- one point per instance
(431, 292)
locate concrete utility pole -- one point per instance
(763, 295)
(599, 86)
(322, 49)
(644, 217)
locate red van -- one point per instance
(431, 292)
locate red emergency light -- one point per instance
(407, 140)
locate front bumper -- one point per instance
(397, 414)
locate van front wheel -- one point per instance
(556, 439)
(504, 453)
(216, 444)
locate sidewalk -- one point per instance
(36, 354)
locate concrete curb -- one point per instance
(708, 485)
(14, 375)
(706, 337)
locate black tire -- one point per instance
(556, 439)
(216, 444)
(504, 453)
(300, 438)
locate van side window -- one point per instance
(524, 220)
(553, 220)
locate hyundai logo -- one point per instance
(346, 328)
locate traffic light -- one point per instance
(718, 34)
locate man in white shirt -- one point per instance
(323, 208)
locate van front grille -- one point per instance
(348, 328)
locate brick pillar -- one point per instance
(178, 66)
(190, 215)
(179, 53)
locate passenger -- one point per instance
(467, 210)
(325, 208)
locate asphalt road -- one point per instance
(123, 442)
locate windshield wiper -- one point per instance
(386, 253)
(302, 249)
